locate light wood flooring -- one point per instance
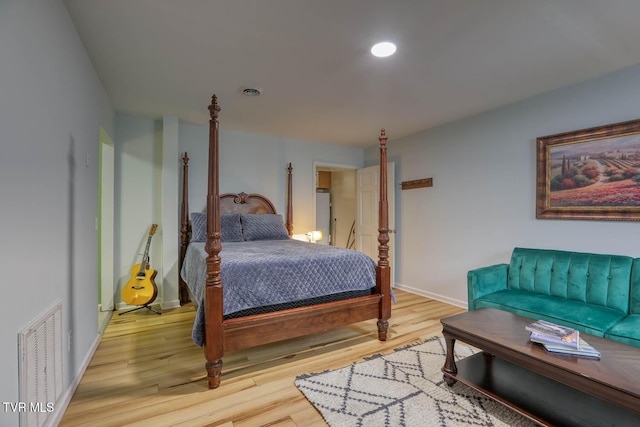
(147, 371)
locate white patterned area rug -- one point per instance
(404, 388)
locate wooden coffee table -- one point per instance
(546, 388)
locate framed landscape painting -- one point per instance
(590, 174)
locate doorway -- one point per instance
(344, 185)
(335, 204)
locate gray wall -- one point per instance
(138, 152)
(145, 193)
(482, 203)
(249, 162)
(257, 164)
(51, 108)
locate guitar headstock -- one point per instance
(153, 229)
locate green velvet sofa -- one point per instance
(594, 293)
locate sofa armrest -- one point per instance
(485, 280)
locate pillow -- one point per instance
(263, 227)
(198, 227)
(230, 227)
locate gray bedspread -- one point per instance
(267, 272)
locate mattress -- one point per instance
(270, 275)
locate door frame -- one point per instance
(105, 222)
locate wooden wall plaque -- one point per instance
(417, 183)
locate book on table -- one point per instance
(574, 342)
(584, 349)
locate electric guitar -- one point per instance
(141, 289)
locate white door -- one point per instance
(368, 196)
(323, 217)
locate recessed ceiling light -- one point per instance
(383, 49)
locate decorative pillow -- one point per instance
(263, 227)
(230, 227)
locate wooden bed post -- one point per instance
(383, 276)
(214, 334)
(289, 223)
(184, 228)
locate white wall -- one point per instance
(51, 108)
(170, 208)
(147, 165)
(138, 182)
(482, 203)
(106, 250)
(257, 164)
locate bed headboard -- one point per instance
(228, 203)
(244, 203)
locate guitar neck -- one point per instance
(145, 257)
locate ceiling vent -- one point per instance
(251, 91)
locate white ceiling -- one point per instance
(311, 58)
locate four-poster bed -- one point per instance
(350, 296)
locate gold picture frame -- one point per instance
(590, 174)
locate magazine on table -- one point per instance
(560, 339)
(552, 331)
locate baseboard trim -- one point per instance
(421, 292)
(169, 305)
(65, 398)
(104, 317)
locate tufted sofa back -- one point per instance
(604, 280)
(635, 288)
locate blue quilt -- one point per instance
(267, 272)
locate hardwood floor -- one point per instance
(147, 371)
